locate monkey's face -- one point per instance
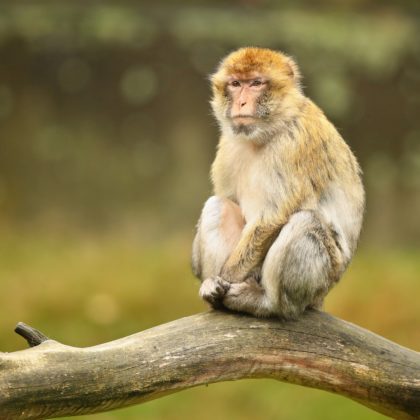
(247, 102)
(255, 91)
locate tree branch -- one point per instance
(31, 335)
(320, 351)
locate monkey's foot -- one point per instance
(249, 297)
(213, 290)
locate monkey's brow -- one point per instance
(251, 79)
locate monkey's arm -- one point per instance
(257, 237)
(250, 250)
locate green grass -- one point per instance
(83, 290)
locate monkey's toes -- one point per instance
(213, 290)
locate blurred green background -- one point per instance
(106, 138)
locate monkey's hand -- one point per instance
(213, 291)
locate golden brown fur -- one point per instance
(288, 160)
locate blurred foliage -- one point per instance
(121, 87)
(106, 139)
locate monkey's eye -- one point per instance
(256, 82)
(235, 83)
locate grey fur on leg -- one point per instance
(302, 265)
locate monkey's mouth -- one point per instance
(244, 119)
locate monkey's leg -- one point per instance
(300, 267)
(218, 231)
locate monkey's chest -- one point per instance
(257, 193)
(249, 178)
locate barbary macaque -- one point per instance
(288, 201)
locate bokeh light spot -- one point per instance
(138, 85)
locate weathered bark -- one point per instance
(320, 351)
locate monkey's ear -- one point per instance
(293, 70)
(217, 81)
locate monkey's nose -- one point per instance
(243, 104)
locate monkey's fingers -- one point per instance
(221, 284)
(213, 290)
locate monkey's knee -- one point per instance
(210, 215)
(218, 231)
(231, 222)
(222, 214)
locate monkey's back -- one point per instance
(335, 175)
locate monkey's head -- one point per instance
(255, 90)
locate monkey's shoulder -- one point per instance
(319, 134)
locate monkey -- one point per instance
(288, 203)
